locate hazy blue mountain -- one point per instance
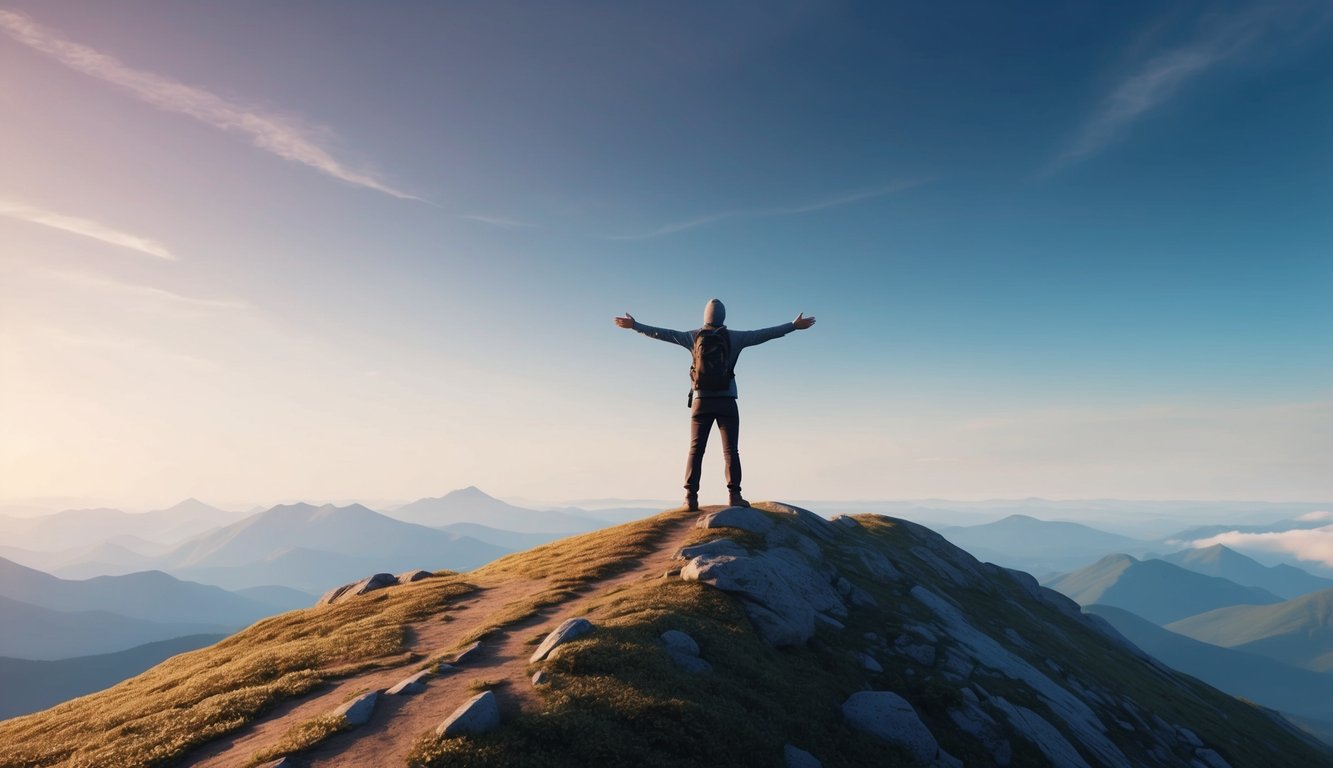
(313, 548)
(27, 685)
(471, 505)
(1038, 546)
(279, 598)
(1154, 589)
(512, 540)
(1297, 632)
(31, 632)
(1285, 581)
(75, 528)
(1213, 529)
(150, 595)
(1258, 678)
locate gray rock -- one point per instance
(692, 664)
(282, 762)
(808, 521)
(890, 718)
(958, 664)
(779, 595)
(714, 547)
(568, 630)
(680, 642)
(411, 576)
(744, 518)
(407, 686)
(946, 760)
(1189, 737)
(922, 654)
(1210, 758)
(795, 627)
(358, 710)
(468, 652)
(942, 566)
(1041, 733)
(824, 618)
(869, 662)
(845, 521)
(799, 758)
(974, 721)
(479, 714)
(541, 677)
(876, 565)
(338, 594)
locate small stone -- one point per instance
(680, 642)
(869, 662)
(692, 664)
(414, 684)
(799, 758)
(469, 651)
(541, 677)
(1210, 758)
(822, 617)
(411, 576)
(358, 710)
(479, 714)
(282, 762)
(568, 630)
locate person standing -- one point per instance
(715, 348)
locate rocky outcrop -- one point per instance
(794, 757)
(742, 518)
(684, 651)
(409, 685)
(891, 718)
(568, 630)
(370, 584)
(479, 714)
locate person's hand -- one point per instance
(625, 322)
(801, 322)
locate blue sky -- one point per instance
(257, 251)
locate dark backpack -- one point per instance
(712, 361)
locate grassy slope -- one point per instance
(155, 718)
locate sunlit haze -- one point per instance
(255, 252)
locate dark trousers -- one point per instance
(707, 410)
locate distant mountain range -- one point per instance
(1039, 546)
(33, 632)
(313, 548)
(28, 686)
(1283, 580)
(1260, 679)
(74, 529)
(1154, 589)
(471, 505)
(1298, 632)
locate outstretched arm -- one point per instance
(661, 334)
(751, 338)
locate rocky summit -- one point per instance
(768, 636)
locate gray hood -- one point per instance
(715, 315)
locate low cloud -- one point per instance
(1313, 545)
(85, 227)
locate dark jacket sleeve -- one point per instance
(682, 338)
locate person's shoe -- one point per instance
(737, 501)
(692, 502)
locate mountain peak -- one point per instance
(839, 618)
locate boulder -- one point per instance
(714, 547)
(680, 642)
(479, 714)
(781, 615)
(411, 576)
(369, 584)
(811, 523)
(568, 630)
(876, 565)
(541, 677)
(793, 757)
(743, 518)
(358, 710)
(890, 718)
(468, 652)
(869, 663)
(410, 685)
(1210, 758)
(1041, 733)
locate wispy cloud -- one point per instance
(757, 213)
(1217, 40)
(279, 135)
(497, 221)
(157, 297)
(85, 227)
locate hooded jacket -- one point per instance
(715, 315)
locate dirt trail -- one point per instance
(398, 721)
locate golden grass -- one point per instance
(187, 700)
(302, 736)
(588, 557)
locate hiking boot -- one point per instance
(737, 501)
(692, 502)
